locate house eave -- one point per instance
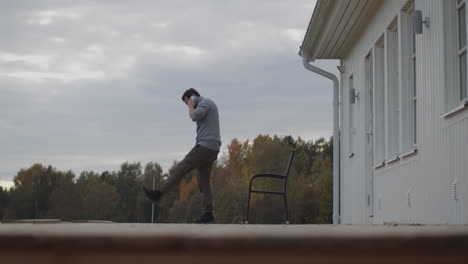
(335, 27)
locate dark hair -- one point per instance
(189, 93)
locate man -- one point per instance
(204, 112)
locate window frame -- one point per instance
(351, 128)
(408, 82)
(379, 102)
(454, 103)
(415, 91)
(460, 52)
(392, 92)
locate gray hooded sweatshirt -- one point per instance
(207, 118)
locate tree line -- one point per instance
(45, 192)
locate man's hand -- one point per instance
(191, 107)
(191, 104)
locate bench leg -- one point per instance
(286, 209)
(248, 209)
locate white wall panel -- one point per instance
(418, 188)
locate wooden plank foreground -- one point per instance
(186, 243)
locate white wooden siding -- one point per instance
(417, 188)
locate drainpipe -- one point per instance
(336, 138)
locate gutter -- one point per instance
(336, 136)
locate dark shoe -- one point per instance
(207, 218)
(152, 195)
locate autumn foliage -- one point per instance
(44, 192)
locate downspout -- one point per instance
(336, 137)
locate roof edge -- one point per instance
(314, 26)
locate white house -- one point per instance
(401, 108)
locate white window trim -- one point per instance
(461, 51)
(408, 154)
(351, 113)
(393, 108)
(415, 92)
(407, 83)
(460, 108)
(380, 165)
(379, 136)
(395, 159)
(452, 109)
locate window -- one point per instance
(351, 118)
(456, 57)
(392, 92)
(408, 96)
(369, 108)
(379, 102)
(413, 56)
(461, 52)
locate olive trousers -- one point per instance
(200, 158)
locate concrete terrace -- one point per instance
(187, 243)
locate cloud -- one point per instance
(159, 25)
(77, 74)
(41, 61)
(172, 49)
(187, 50)
(95, 49)
(294, 34)
(89, 84)
(49, 16)
(5, 124)
(57, 39)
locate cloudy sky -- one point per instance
(87, 85)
